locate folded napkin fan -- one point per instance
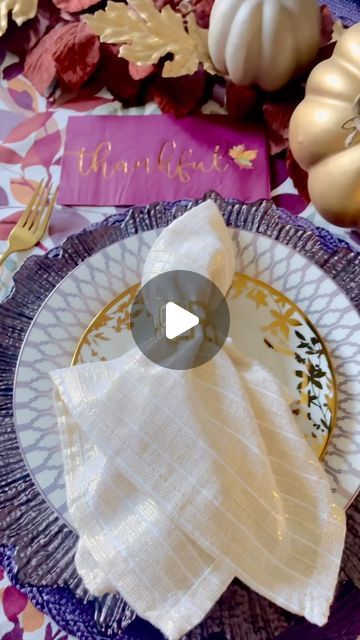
(178, 481)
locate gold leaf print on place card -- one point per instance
(242, 156)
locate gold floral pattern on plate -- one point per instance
(265, 324)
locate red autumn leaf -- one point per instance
(240, 100)
(40, 67)
(9, 156)
(69, 53)
(179, 96)
(72, 6)
(298, 176)
(327, 24)
(84, 98)
(76, 53)
(114, 74)
(277, 117)
(29, 126)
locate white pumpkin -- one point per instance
(263, 42)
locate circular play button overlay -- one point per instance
(179, 320)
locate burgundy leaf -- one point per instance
(115, 76)
(292, 202)
(179, 96)
(327, 24)
(40, 67)
(76, 53)
(240, 100)
(69, 53)
(279, 172)
(324, 53)
(82, 99)
(298, 176)
(20, 40)
(277, 117)
(9, 156)
(43, 151)
(27, 127)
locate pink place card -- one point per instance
(125, 160)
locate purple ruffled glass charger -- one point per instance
(316, 272)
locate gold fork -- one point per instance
(33, 223)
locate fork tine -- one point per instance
(23, 218)
(44, 223)
(33, 219)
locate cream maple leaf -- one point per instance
(146, 35)
(22, 10)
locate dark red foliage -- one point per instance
(114, 74)
(298, 176)
(277, 118)
(179, 96)
(20, 40)
(240, 101)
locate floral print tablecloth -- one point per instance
(31, 143)
(19, 620)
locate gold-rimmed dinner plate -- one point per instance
(265, 324)
(284, 313)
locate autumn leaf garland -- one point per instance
(146, 35)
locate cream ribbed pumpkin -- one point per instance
(263, 42)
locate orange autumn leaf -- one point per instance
(32, 619)
(242, 156)
(22, 190)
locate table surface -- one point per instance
(37, 135)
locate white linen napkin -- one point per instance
(177, 481)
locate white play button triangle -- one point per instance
(178, 320)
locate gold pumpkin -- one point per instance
(325, 133)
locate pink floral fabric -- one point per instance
(19, 620)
